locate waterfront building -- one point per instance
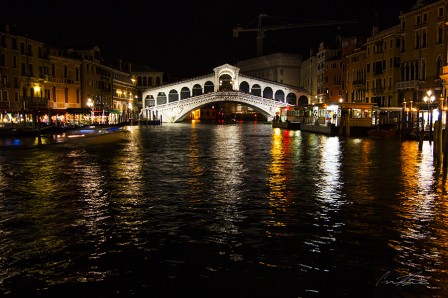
(356, 75)
(147, 77)
(109, 92)
(96, 79)
(24, 71)
(348, 46)
(63, 84)
(308, 76)
(45, 83)
(382, 60)
(324, 55)
(423, 50)
(334, 79)
(124, 95)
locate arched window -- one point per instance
(423, 70)
(438, 67)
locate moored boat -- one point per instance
(382, 133)
(96, 136)
(286, 125)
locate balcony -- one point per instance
(378, 90)
(358, 83)
(407, 85)
(62, 105)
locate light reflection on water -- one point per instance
(223, 210)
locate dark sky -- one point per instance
(188, 38)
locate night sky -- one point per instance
(187, 38)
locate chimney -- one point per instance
(375, 27)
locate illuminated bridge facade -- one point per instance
(174, 102)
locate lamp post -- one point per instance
(38, 89)
(90, 105)
(404, 120)
(429, 98)
(130, 118)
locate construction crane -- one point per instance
(262, 29)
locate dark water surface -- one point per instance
(197, 210)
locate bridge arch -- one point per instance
(303, 100)
(184, 93)
(256, 90)
(225, 79)
(177, 111)
(161, 98)
(291, 98)
(268, 93)
(197, 90)
(244, 87)
(225, 82)
(209, 87)
(173, 95)
(186, 113)
(280, 95)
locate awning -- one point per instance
(113, 112)
(78, 111)
(58, 111)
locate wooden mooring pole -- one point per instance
(445, 144)
(421, 134)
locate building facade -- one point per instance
(423, 50)
(45, 83)
(356, 75)
(324, 55)
(382, 58)
(279, 67)
(308, 76)
(63, 83)
(146, 77)
(24, 69)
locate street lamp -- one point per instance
(130, 112)
(38, 89)
(429, 98)
(90, 105)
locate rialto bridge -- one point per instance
(174, 102)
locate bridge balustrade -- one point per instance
(176, 111)
(212, 95)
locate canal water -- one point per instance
(204, 210)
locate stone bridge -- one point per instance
(174, 102)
